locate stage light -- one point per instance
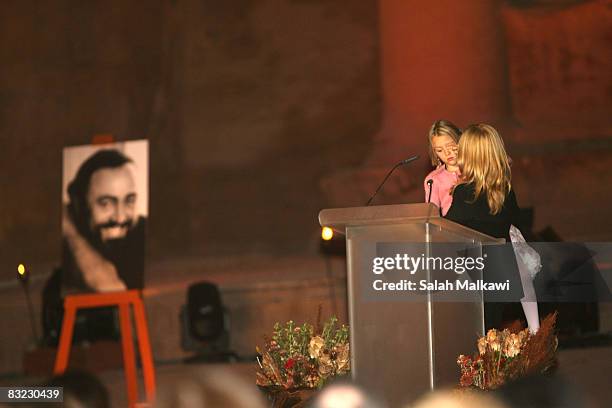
(205, 325)
(22, 274)
(332, 243)
(205, 311)
(327, 233)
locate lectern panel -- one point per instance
(405, 342)
(389, 351)
(402, 348)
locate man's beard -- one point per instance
(111, 243)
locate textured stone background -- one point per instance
(260, 113)
(246, 105)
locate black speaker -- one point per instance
(204, 311)
(205, 325)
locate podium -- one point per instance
(401, 349)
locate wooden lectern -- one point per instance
(401, 349)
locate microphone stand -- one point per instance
(24, 284)
(411, 159)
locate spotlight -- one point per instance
(23, 276)
(22, 273)
(331, 243)
(205, 312)
(205, 325)
(327, 233)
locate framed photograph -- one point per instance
(105, 197)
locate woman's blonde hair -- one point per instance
(483, 161)
(439, 128)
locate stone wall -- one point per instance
(260, 113)
(245, 103)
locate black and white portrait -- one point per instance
(105, 200)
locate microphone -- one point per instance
(408, 160)
(401, 163)
(430, 184)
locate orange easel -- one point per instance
(123, 300)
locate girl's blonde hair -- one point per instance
(483, 161)
(439, 128)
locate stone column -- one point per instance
(439, 59)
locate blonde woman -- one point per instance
(484, 200)
(443, 146)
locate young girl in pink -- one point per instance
(443, 146)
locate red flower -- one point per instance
(467, 378)
(289, 364)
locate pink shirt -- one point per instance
(443, 181)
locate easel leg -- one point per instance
(146, 355)
(129, 361)
(63, 351)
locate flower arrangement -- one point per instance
(301, 357)
(504, 355)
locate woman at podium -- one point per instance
(484, 201)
